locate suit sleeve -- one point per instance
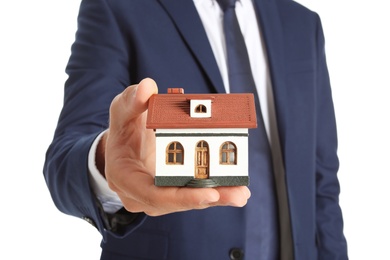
(98, 71)
(330, 238)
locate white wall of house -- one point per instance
(189, 144)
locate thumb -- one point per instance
(136, 97)
(132, 102)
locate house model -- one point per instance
(201, 139)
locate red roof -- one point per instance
(227, 111)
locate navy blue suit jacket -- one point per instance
(120, 42)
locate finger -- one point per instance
(132, 102)
(138, 98)
(127, 132)
(174, 199)
(171, 198)
(183, 198)
(189, 199)
(138, 185)
(134, 206)
(233, 196)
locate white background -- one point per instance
(35, 46)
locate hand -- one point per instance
(129, 150)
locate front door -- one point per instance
(202, 160)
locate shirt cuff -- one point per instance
(108, 198)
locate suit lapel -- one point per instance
(187, 20)
(272, 33)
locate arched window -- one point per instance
(200, 109)
(228, 153)
(175, 153)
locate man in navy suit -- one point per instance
(100, 165)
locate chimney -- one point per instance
(175, 91)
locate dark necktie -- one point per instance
(262, 217)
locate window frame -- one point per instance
(230, 150)
(174, 152)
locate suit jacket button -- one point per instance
(236, 254)
(90, 221)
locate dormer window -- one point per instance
(200, 108)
